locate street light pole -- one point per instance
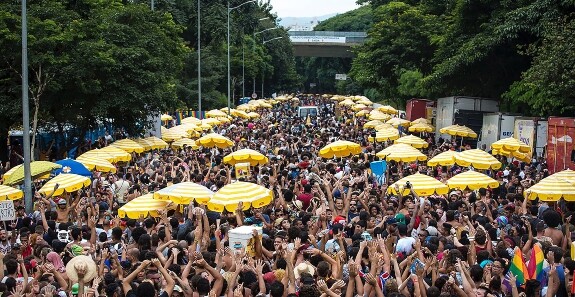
(229, 75)
(153, 5)
(199, 64)
(26, 113)
(243, 70)
(264, 42)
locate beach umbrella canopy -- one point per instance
(72, 166)
(128, 145)
(143, 206)
(214, 140)
(385, 135)
(214, 113)
(66, 183)
(420, 121)
(387, 109)
(191, 120)
(361, 113)
(385, 126)
(372, 124)
(552, 188)
(211, 121)
(414, 141)
(246, 156)
(173, 135)
(446, 158)
(251, 195)
(15, 175)
(9, 193)
(166, 117)
(457, 130)
(184, 193)
(401, 152)
(423, 185)
(98, 154)
(253, 115)
(96, 164)
(358, 107)
(419, 127)
(379, 116)
(180, 143)
(396, 122)
(566, 174)
(511, 144)
(119, 154)
(472, 180)
(242, 114)
(156, 142)
(340, 148)
(347, 102)
(478, 159)
(147, 145)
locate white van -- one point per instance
(304, 111)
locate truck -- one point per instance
(495, 126)
(463, 110)
(420, 108)
(560, 150)
(533, 132)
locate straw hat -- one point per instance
(303, 267)
(81, 262)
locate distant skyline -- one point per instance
(311, 8)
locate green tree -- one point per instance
(357, 20)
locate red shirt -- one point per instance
(305, 199)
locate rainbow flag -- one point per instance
(518, 267)
(535, 267)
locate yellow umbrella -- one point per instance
(387, 109)
(188, 127)
(166, 117)
(523, 157)
(243, 107)
(362, 113)
(246, 156)
(242, 114)
(420, 121)
(552, 188)
(567, 174)
(128, 145)
(120, 155)
(146, 144)
(191, 120)
(15, 175)
(384, 126)
(156, 142)
(446, 158)
(96, 164)
(365, 101)
(214, 140)
(229, 196)
(143, 206)
(372, 124)
(423, 185)
(379, 116)
(472, 180)
(340, 149)
(414, 141)
(9, 193)
(171, 135)
(185, 141)
(66, 183)
(478, 159)
(184, 193)
(358, 107)
(211, 121)
(401, 152)
(214, 113)
(99, 154)
(456, 130)
(253, 115)
(396, 122)
(223, 120)
(265, 105)
(419, 127)
(385, 135)
(347, 102)
(225, 109)
(511, 144)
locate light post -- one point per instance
(199, 65)
(255, 34)
(264, 42)
(26, 113)
(229, 78)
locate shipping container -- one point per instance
(420, 108)
(495, 126)
(560, 150)
(466, 111)
(533, 132)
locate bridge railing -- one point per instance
(327, 37)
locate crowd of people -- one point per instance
(332, 229)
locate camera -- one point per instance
(408, 185)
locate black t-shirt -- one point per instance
(131, 293)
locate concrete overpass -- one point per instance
(325, 43)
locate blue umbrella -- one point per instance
(72, 166)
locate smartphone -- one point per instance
(416, 264)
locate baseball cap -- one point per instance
(391, 221)
(432, 231)
(62, 202)
(75, 289)
(339, 219)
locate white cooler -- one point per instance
(240, 237)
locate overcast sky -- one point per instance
(311, 8)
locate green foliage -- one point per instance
(357, 20)
(410, 84)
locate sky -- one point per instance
(311, 8)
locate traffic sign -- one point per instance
(254, 96)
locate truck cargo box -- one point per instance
(495, 126)
(420, 108)
(533, 132)
(560, 149)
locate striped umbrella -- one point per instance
(246, 156)
(567, 174)
(229, 196)
(414, 141)
(191, 120)
(423, 185)
(214, 113)
(98, 154)
(156, 142)
(241, 114)
(384, 126)
(347, 102)
(472, 180)
(128, 145)
(166, 117)
(38, 169)
(147, 145)
(173, 135)
(185, 141)
(420, 127)
(401, 152)
(457, 130)
(143, 206)
(66, 183)
(478, 159)
(552, 188)
(419, 121)
(184, 193)
(96, 164)
(511, 144)
(372, 124)
(253, 115)
(396, 122)
(211, 121)
(358, 107)
(378, 116)
(446, 158)
(9, 193)
(385, 135)
(119, 154)
(387, 109)
(361, 113)
(340, 148)
(214, 140)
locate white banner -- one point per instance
(7, 212)
(525, 131)
(341, 76)
(317, 39)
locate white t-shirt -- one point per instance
(405, 245)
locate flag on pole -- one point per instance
(518, 267)
(535, 267)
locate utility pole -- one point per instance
(199, 63)
(26, 113)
